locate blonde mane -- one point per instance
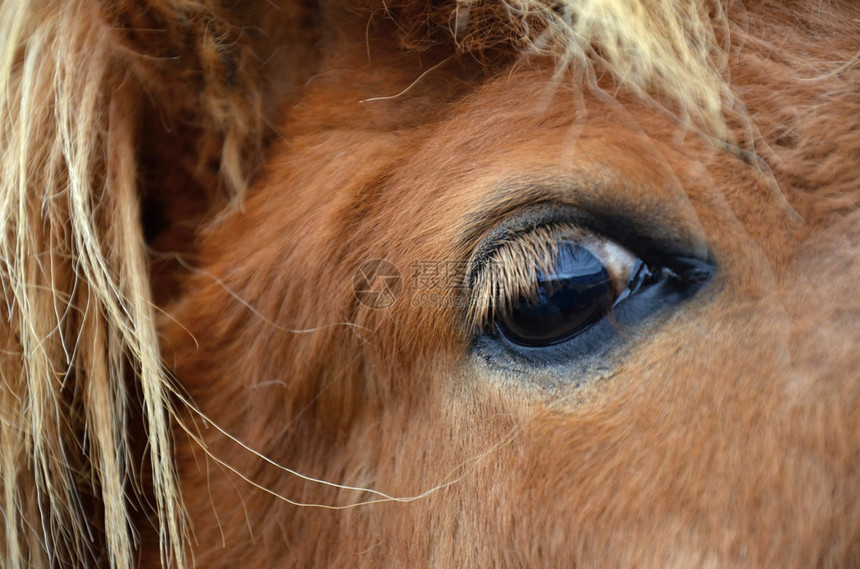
(78, 309)
(666, 50)
(80, 351)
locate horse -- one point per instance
(461, 283)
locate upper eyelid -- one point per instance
(651, 229)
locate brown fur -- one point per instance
(294, 142)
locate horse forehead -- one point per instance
(521, 125)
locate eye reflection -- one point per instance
(575, 293)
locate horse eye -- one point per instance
(577, 290)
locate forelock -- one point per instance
(672, 52)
